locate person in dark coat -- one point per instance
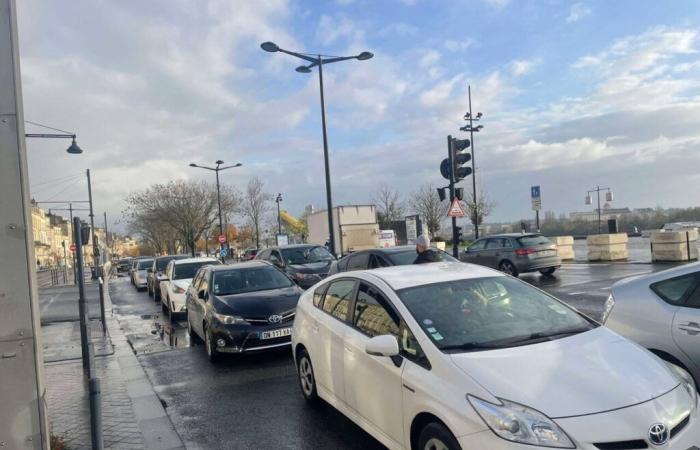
(425, 253)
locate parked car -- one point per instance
(514, 253)
(123, 265)
(241, 308)
(307, 264)
(140, 273)
(456, 356)
(132, 269)
(660, 311)
(382, 257)
(155, 273)
(249, 254)
(177, 278)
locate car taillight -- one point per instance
(525, 251)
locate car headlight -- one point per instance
(518, 423)
(178, 290)
(230, 320)
(686, 381)
(608, 307)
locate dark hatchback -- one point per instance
(123, 265)
(375, 258)
(306, 264)
(241, 308)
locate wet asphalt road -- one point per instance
(253, 401)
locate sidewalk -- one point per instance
(132, 415)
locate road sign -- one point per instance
(72, 247)
(456, 209)
(536, 198)
(223, 252)
(222, 239)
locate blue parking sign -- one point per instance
(222, 252)
(535, 191)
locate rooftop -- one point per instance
(400, 277)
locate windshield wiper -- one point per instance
(550, 336)
(470, 346)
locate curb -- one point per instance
(158, 431)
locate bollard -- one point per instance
(96, 414)
(102, 304)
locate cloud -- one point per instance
(461, 45)
(522, 67)
(577, 12)
(333, 28)
(429, 58)
(497, 3)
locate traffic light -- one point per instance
(460, 157)
(441, 194)
(459, 193)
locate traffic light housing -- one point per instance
(441, 194)
(460, 157)
(459, 193)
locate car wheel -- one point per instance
(171, 314)
(548, 271)
(157, 296)
(209, 345)
(150, 292)
(508, 267)
(307, 380)
(163, 306)
(436, 437)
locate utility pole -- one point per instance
(471, 129)
(95, 250)
(455, 231)
(108, 253)
(279, 219)
(23, 418)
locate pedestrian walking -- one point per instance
(425, 253)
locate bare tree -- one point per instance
(182, 209)
(389, 205)
(426, 203)
(256, 202)
(481, 209)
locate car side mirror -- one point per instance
(384, 345)
(202, 295)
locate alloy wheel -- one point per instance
(435, 444)
(306, 376)
(507, 267)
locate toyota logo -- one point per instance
(658, 434)
(275, 319)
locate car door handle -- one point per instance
(691, 328)
(349, 350)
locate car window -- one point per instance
(188, 270)
(343, 264)
(495, 243)
(306, 255)
(144, 264)
(478, 245)
(372, 315)
(491, 312)
(337, 299)
(203, 284)
(359, 261)
(377, 261)
(318, 294)
(169, 270)
(196, 280)
(407, 257)
(675, 290)
(530, 241)
(265, 254)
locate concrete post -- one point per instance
(23, 419)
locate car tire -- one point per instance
(171, 314)
(156, 295)
(435, 436)
(508, 267)
(548, 271)
(209, 347)
(307, 379)
(163, 307)
(190, 331)
(150, 292)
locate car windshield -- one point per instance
(187, 270)
(487, 313)
(531, 241)
(251, 279)
(306, 255)
(162, 263)
(144, 264)
(407, 257)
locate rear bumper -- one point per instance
(531, 265)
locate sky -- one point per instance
(574, 94)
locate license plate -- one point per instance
(547, 253)
(276, 333)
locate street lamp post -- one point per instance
(608, 198)
(74, 149)
(319, 61)
(471, 129)
(279, 219)
(218, 169)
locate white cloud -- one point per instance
(521, 67)
(577, 12)
(460, 45)
(497, 3)
(429, 58)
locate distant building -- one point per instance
(606, 213)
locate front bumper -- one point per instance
(177, 302)
(246, 338)
(623, 427)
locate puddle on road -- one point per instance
(151, 333)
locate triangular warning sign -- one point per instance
(456, 209)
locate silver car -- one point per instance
(660, 311)
(514, 253)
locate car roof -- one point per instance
(646, 279)
(511, 235)
(400, 277)
(193, 260)
(241, 265)
(283, 247)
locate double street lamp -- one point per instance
(218, 168)
(319, 61)
(608, 198)
(471, 129)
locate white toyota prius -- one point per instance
(456, 356)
